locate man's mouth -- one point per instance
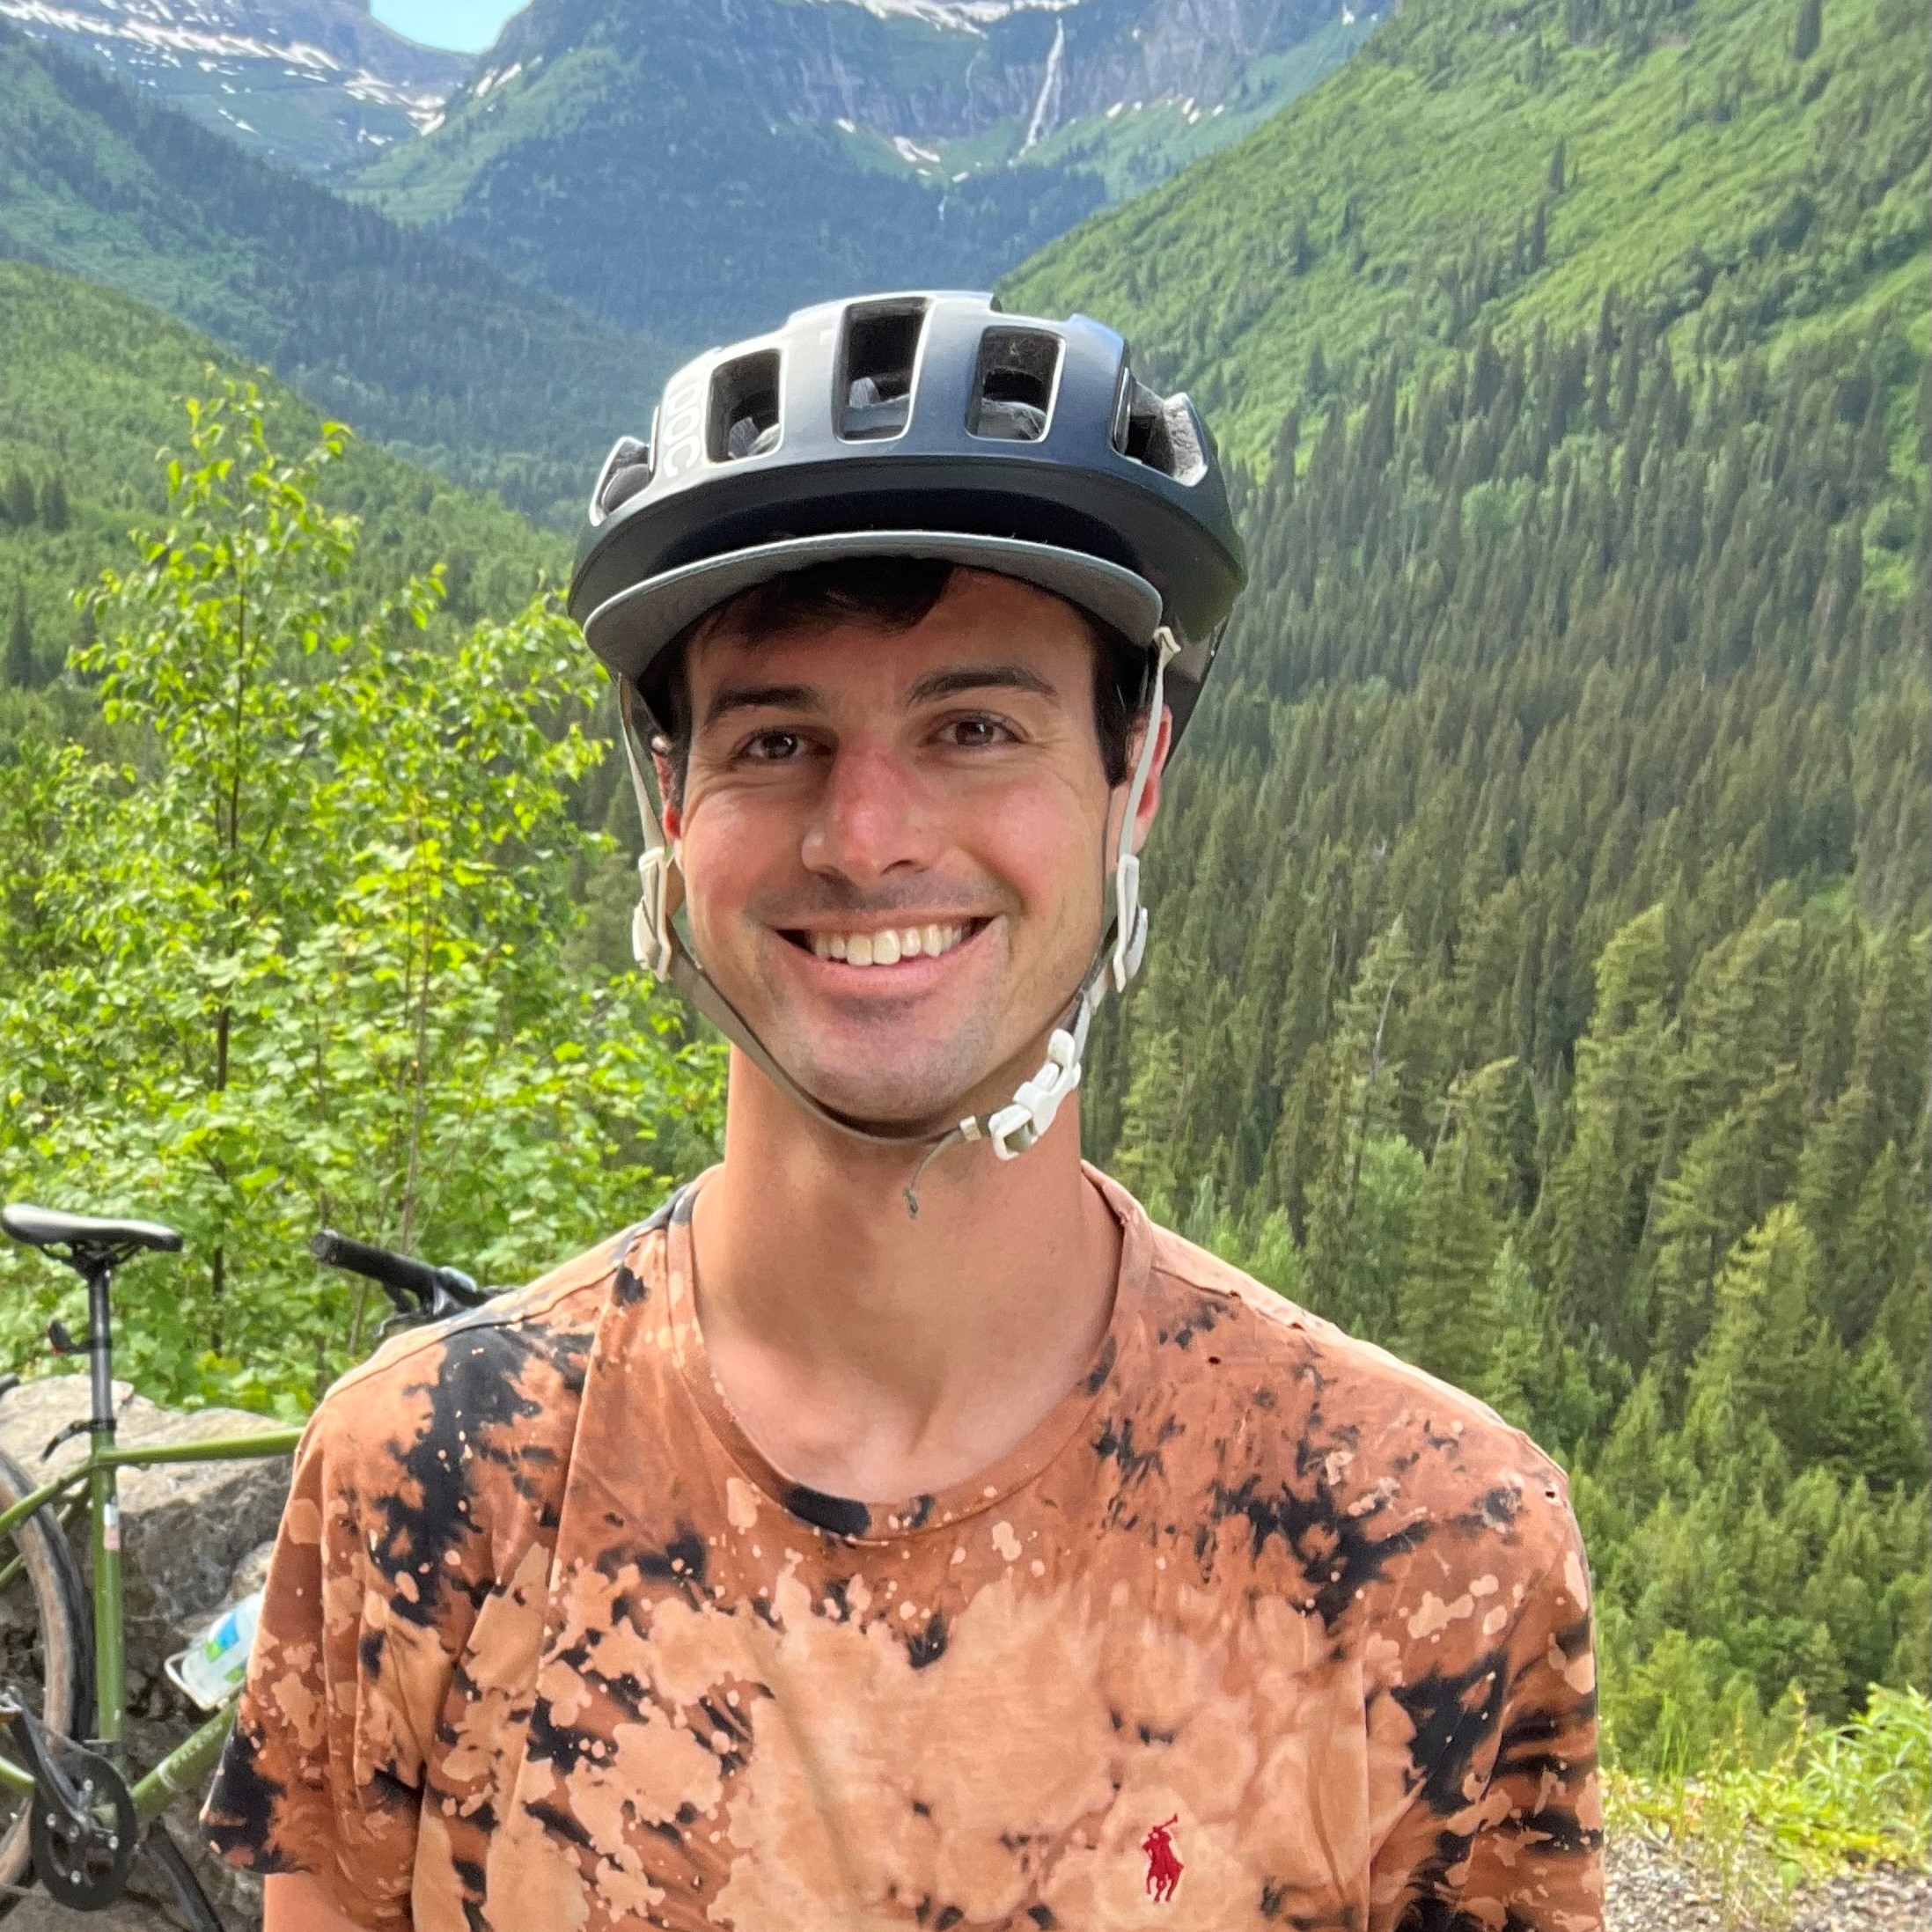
(887, 945)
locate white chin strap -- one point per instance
(1013, 1129)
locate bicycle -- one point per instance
(82, 1819)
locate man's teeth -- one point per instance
(887, 948)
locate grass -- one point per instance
(1832, 1801)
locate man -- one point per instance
(898, 1530)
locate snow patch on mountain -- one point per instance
(329, 54)
(961, 16)
(152, 27)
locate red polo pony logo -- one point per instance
(1163, 1870)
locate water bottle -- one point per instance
(210, 1671)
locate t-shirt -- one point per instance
(1258, 1627)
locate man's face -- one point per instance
(893, 842)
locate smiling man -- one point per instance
(898, 1530)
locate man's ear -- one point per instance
(1150, 794)
(670, 809)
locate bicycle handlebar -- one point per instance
(415, 1287)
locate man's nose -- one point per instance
(871, 818)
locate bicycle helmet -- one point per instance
(931, 425)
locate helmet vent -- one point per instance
(626, 471)
(743, 419)
(875, 394)
(1159, 431)
(1013, 387)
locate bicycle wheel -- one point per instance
(46, 1652)
(169, 1863)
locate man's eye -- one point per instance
(772, 747)
(973, 732)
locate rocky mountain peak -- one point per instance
(316, 83)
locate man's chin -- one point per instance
(907, 1100)
(896, 1109)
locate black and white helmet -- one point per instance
(915, 425)
(930, 425)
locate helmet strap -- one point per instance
(660, 950)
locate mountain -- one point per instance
(403, 336)
(91, 387)
(311, 83)
(1473, 166)
(697, 168)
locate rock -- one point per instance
(185, 1527)
(195, 1536)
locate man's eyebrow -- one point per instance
(948, 684)
(761, 697)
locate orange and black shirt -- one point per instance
(1258, 1627)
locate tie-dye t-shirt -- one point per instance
(1258, 1627)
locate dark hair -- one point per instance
(893, 594)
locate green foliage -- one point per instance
(1541, 909)
(22, 667)
(1738, 198)
(304, 962)
(1806, 28)
(88, 383)
(1857, 1794)
(492, 384)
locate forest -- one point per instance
(1542, 906)
(494, 385)
(1539, 984)
(1540, 980)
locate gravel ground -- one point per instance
(1650, 1891)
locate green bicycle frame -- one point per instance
(184, 1766)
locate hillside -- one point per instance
(699, 168)
(400, 334)
(307, 82)
(1480, 162)
(1542, 906)
(91, 384)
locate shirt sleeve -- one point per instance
(322, 1771)
(1517, 1847)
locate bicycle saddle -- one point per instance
(85, 1238)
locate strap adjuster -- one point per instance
(650, 923)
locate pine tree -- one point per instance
(1456, 1234)
(1144, 1158)
(54, 513)
(17, 500)
(1806, 29)
(21, 668)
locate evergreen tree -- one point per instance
(1805, 29)
(17, 499)
(21, 666)
(1456, 1235)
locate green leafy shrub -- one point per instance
(301, 956)
(1827, 1801)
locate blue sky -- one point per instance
(468, 25)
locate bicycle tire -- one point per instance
(184, 1890)
(45, 1650)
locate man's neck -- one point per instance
(874, 1355)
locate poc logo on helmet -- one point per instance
(681, 429)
